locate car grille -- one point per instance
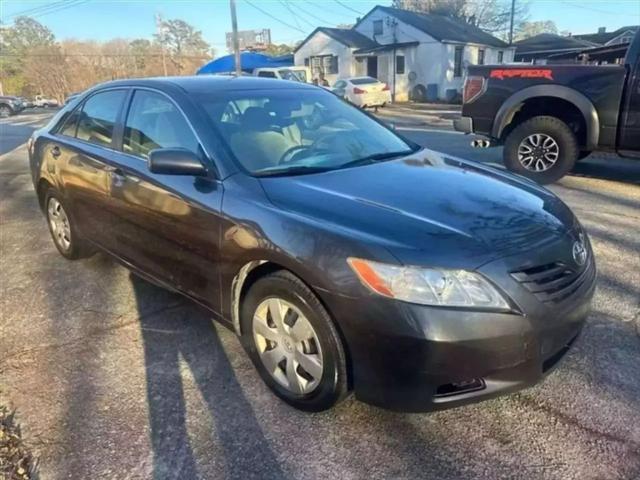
(554, 282)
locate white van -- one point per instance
(294, 73)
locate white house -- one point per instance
(420, 56)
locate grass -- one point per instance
(16, 462)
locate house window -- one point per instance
(306, 62)
(481, 56)
(457, 62)
(324, 65)
(500, 56)
(400, 64)
(377, 27)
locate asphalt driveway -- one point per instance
(114, 378)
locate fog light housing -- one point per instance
(458, 388)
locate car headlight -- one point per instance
(429, 286)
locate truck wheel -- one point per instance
(542, 148)
(5, 111)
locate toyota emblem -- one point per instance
(580, 252)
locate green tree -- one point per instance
(182, 41)
(277, 50)
(530, 29)
(492, 16)
(17, 43)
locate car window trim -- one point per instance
(180, 110)
(81, 105)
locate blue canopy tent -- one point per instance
(248, 60)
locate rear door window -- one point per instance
(98, 117)
(155, 122)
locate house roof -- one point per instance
(442, 28)
(550, 42)
(348, 37)
(605, 37)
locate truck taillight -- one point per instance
(386, 88)
(358, 91)
(473, 88)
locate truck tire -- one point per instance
(542, 148)
(5, 111)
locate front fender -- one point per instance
(515, 102)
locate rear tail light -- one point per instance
(386, 88)
(473, 88)
(358, 91)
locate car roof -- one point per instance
(210, 83)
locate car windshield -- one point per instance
(295, 131)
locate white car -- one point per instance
(41, 101)
(293, 73)
(363, 91)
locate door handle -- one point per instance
(55, 151)
(120, 176)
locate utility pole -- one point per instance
(236, 44)
(160, 29)
(513, 12)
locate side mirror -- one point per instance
(176, 161)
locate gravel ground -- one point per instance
(114, 378)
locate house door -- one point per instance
(372, 67)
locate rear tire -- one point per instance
(5, 111)
(63, 231)
(547, 162)
(325, 382)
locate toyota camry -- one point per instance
(345, 257)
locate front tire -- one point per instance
(542, 148)
(5, 111)
(292, 342)
(62, 228)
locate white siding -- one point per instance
(431, 61)
(322, 44)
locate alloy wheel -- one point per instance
(4, 111)
(538, 152)
(59, 223)
(287, 345)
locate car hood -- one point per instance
(429, 209)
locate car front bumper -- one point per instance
(416, 358)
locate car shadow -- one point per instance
(177, 333)
(610, 167)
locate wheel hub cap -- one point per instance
(538, 152)
(288, 345)
(59, 223)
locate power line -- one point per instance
(37, 12)
(324, 9)
(274, 18)
(295, 18)
(348, 7)
(35, 9)
(597, 10)
(321, 20)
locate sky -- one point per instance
(289, 20)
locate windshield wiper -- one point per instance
(293, 170)
(376, 157)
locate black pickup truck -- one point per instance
(550, 116)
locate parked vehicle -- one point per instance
(549, 116)
(363, 91)
(41, 101)
(344, 256)
(10, 106)
(293, 73)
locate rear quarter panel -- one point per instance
(601, 85)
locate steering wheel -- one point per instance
(290, 153)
